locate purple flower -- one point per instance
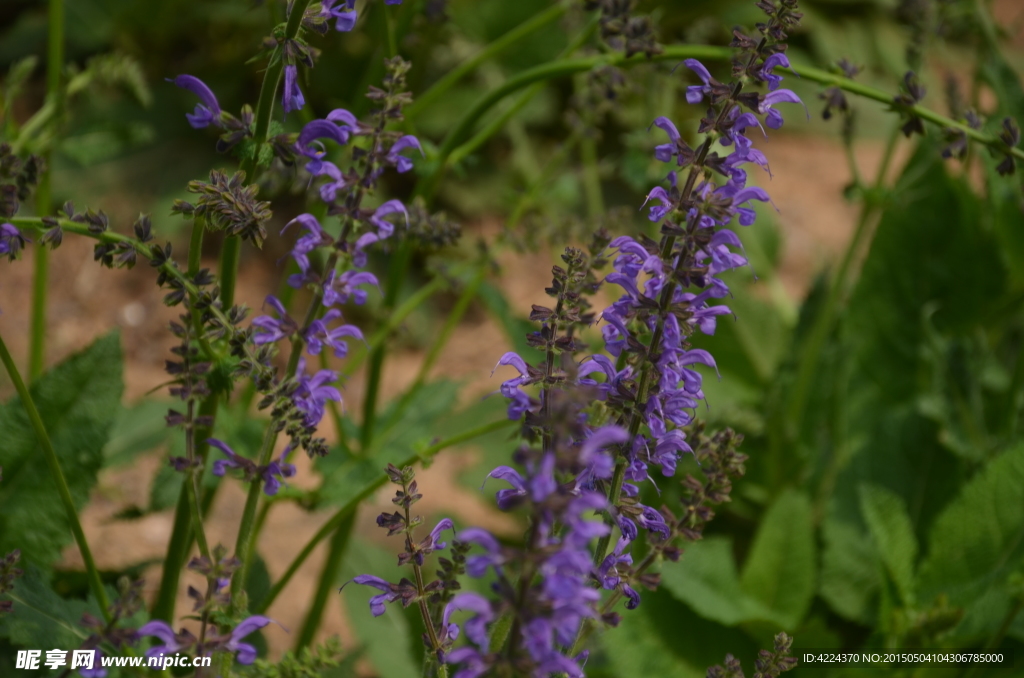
(271, 473)
(696, 93)
(509, 499)
(775, 60)
(474, 663)
(339, 289)
(246, 652)
(476, 626)
(11, 241)
(780, 96)
(207, 111)
(319, 334)
(270, 329)
(477, 565)
(401, 163)
(315, 130)
(312, 393)
(345, 15)
(389, 595)
(292, 96)
(314, 238)
(384, 229)
(431, 543)
(329, 190)
(658, 213)
(172, 642)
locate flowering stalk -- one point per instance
(261, 132)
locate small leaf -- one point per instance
(850, 572)
(706, 580)
(893, 534)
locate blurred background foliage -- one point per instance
(884, 500)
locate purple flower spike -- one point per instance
(207, 111)
(246, 652)
(401, 163)
(293, 99)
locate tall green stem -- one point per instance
(44, 198)
(328, 578)
(95, 582)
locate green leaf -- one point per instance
(893, 534)
(705, 578)
(927, 244)
(780, 569)
(977, 542)
(850, 572)
(78, 401)
(386, 639)
(41, 619)
(636, 650)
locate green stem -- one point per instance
(350, 506)
(44, 199)
(328, 578)
(95, 582)
(396, 273)
(441, 87)
(566, 67)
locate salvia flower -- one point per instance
(11, 241)
(344, 14)
(269, 329)
(207, 111)
(292, 99)
(312, 392)
(271, 474)
(320, 334)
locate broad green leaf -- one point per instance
(780, 569)
(385, 639)
(41, 619)
(893, 534)
(78, 401)
(932, 222)
(705, 578)
(850, 572)
(977, 542)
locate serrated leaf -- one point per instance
(978, 541)
(850, 573)
(78, 401)
(705, 578)
(886, 516)
(780, 569)
(635, 650)
(386, 639)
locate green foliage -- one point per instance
(780, 568)
(893, 535)
(977, 543)
(78, 401)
